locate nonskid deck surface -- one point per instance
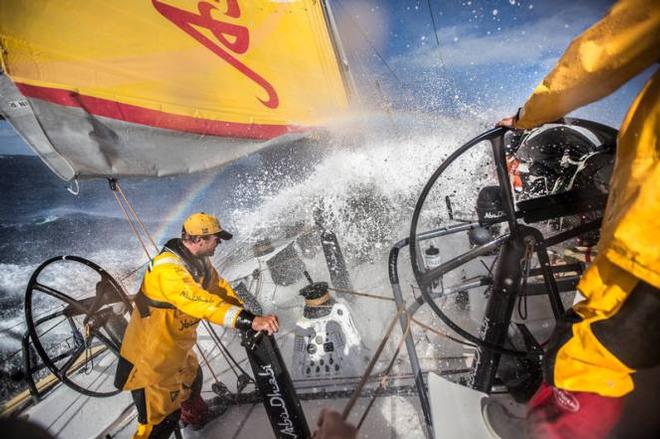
(68, 414)
(390, 417)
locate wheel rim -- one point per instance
(89, 321)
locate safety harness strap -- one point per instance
(142, 303)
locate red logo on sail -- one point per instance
(238, 41)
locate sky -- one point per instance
(480, 58)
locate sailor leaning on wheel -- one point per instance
(179, 289)
(603, 340)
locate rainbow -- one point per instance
(189, 203)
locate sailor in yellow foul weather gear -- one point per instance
(180, 288)
(616, 330)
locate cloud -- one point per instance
(526, 44)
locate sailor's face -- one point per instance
(208, 245)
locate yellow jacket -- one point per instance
(614, 50)
(177, 293)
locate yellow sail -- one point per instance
(247, 71)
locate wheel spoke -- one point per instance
(45, 318)
(106, 341)
(75, 307)
(71, 361)
(51, 291)
(50, 328)
(436, 273)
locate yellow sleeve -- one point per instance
(181, 290)
(604, 57)
(222, 288)
(224, 285)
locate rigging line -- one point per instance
(206, 361)
(443, 65)
(386, 374)
(136, 216)
(34, 317)
(365, 376)
(435, 29)
(373, 47)
(132, 272)
(135, 231)
(40, 335)
(17, 324)
(212, 357)
(229, 361)
(442, 334)
(52, 327)
(225, 352)
(490, 271)
(337, 290)
(222, 352)
(244, 420)
(355, 293)
(341, 380)
(12, 355)
(243, 360)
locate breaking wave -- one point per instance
(365, 186)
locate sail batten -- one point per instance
(104, 79)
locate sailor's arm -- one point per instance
(220, 287)
(181, 290)
(612, 51)
(268, 323)
(229, 291)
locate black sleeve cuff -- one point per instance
(244, 320)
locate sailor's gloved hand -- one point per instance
(511, 121)
(266, 323)
(507, 122)
(332, 426)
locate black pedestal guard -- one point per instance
(499, 309)
(275, 386)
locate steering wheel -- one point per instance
(75, 315)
